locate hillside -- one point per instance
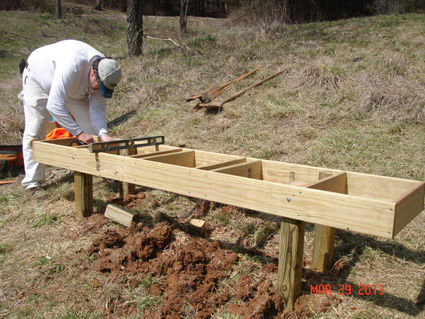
(351, 98)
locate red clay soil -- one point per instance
(190, 271)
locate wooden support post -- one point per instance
(324, 239)
(290, 260)
(323, 251)
(83, 184)
(127, 188)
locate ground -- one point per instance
(184, 271)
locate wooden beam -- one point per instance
(406, 206)
(207, 158)
(251, 170)
(83, 184)
(374, 186)
(155, 153)
(290, 260)
(281, 172)
(184, 158)
(222, 164)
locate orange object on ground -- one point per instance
(7, 182)
(58, 133)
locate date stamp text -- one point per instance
(361, 290)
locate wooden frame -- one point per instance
(369, 204)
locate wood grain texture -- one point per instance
(290, 260)
(120, 214)
(366, 214)
(83, 185)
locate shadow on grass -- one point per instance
(354, 245)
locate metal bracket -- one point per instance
(129, 143)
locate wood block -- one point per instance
(120, 214)
(197, 226)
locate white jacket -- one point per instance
(62, 71)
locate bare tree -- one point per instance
(98, 5)
(134, 27)
(183, 15)
(58, 12)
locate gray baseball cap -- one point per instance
(110, 74)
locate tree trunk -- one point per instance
(98, 5)
(134, 27)
(58, 13)
(183, 15)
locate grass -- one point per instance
(352, 98)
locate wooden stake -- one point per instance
(290, 260)
(83, 184)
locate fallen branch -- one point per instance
(169, 39)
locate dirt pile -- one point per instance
(189, 271)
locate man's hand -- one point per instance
(107, 138)
(85, 138)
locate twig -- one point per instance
(169, 39)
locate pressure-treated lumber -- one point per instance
(373, 205)
(197, 227)
(324, 236)
(156, 153)
(120, 214)
(127, 188)
(250, 169)
(223, 164)
(83, 184)
(368, 204)
(184, 158)
(290, 260)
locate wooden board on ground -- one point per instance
(120, 214)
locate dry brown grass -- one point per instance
(352, 99)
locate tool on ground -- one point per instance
(7, 182)
(11, 160)
(217, 91)
(210, 106)
(126, 144)
(120, 119)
